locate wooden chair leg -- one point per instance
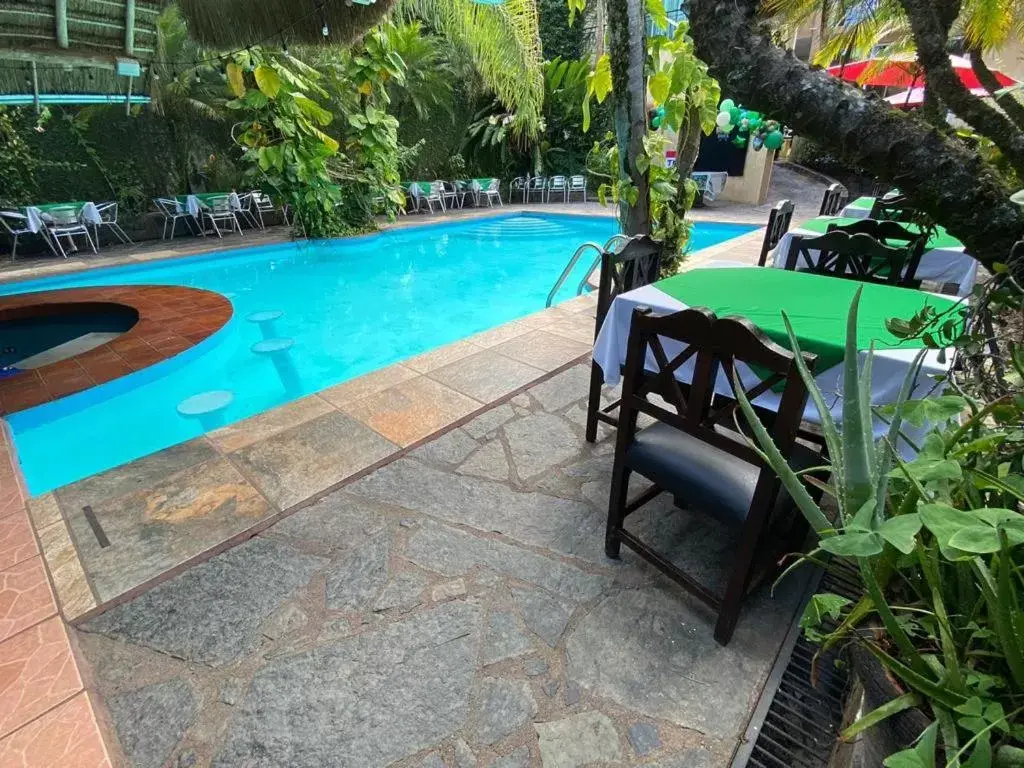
(616, 509)
(739, 579)
(594, 401)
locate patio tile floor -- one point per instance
(451, 608)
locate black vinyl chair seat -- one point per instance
(703, 476)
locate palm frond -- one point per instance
(503, 42)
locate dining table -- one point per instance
(84, 211)
(945, 260)
(816, 305)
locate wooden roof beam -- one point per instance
(60, 20)
(129, 27)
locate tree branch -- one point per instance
(940, 175)
(930, 24)
(1013, 108)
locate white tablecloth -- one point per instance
(36, 217)
(939, 265)
(888, 371)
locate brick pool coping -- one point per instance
(171, 319)
(49, 713)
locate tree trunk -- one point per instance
(940, 175)
(627, 51)
(930, 21)
(1013, 108)
(687, 147)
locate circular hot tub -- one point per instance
(41, 334)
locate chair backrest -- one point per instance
(556, 182)
(62, 217)
(518, 182)
(577, 182)
(219, 204)
(13, 221)
(854, 257)
(886, 232)
(107, 211)
(833, 200)
(636, 264)
(779, 219)
(538, 182)
(494, 185)
(263, 201)
(893, 208)
(707, 408)
(167, 206)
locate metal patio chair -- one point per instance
(434, 193)
(108, 219)
(577, 185)
(537, 184)
(492, 192)
(172, 211)
(779, 220)
(453, 196)
(558, 184)
(518, 184)
(16, 225)
(694, 452)
(66, 223)
(218, 210)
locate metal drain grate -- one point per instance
(795, 724)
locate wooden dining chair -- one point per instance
(834, 199)
(779, 220)
(893, 208)
(693, 450)
(636, 264)
(892, 233)
(853, 257)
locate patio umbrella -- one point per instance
(914, 97)
(904, 71)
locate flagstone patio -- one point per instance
(452, 608)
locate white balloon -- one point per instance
(723, 119)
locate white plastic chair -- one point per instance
(578, 185)
(492, 192)
(65, 222)
(172, 211)
(558, 184)
(108, 218)
(218, 211)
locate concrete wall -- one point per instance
(752, 186)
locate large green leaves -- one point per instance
(268, 81)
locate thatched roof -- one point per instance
(238, 23)
(74, 44)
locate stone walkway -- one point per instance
(453, 608)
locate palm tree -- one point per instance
(430, 71)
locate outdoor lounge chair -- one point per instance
(15, 225)
(558, 184)
(218, 211)
(172, 212)
(65, 223)
(855, 257)
(779, 220)
(694, 452)
(636, 264)
(833, 201)
(108, 219)
(578, 186)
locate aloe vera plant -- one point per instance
(937, 544)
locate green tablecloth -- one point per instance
(75, 204)
(817, 306)
(867, 203)
(203, 197)
(940, 239)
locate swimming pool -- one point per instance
(350, 306)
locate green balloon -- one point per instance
(727, 105)
(755, 123)
(773, 140)
(735, 114)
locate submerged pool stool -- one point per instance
(207, 407)
(277, 350)
(265, 320)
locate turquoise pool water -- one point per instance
(350, 306)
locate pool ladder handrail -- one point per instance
(612, 242)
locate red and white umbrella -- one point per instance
(904, 71)
(914, 97)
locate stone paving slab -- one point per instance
(424, 616)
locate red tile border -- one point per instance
(171, 319)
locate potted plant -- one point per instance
(938, 633)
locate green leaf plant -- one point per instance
(935, 533)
